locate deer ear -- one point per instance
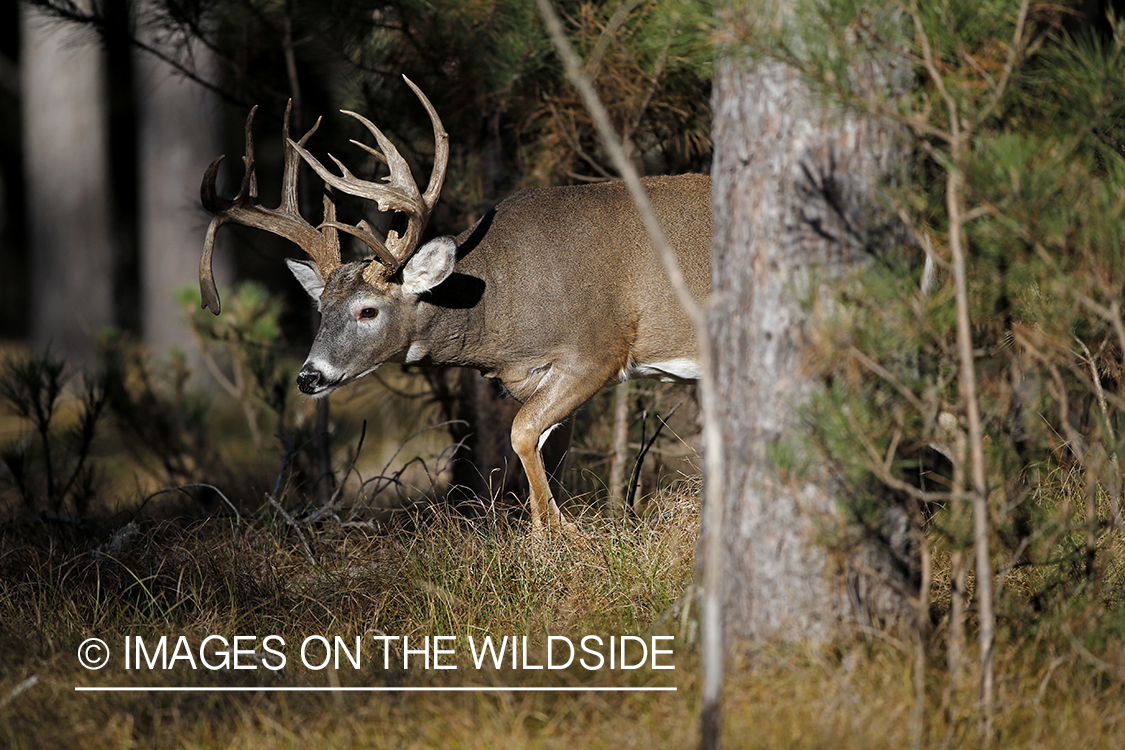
(308, 275)
(429, 266)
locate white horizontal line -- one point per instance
(284, 689)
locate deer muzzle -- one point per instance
(310, 380)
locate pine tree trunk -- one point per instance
(794, 206)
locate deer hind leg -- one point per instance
(545, 413)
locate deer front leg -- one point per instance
(541, 415)
(526, 436)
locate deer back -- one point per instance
(567, 275)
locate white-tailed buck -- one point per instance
(557, 292)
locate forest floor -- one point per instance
(439, 585)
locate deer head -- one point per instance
(362, 303)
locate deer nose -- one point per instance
(308, 379)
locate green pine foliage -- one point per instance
(514, 120)
(1025, 105)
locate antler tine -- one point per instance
(292, 164)
(208, 293)
(398, 192)
(373, 151)
(209, 197)
(363, 231)
(323, 245)
(289, 169)
(209, 194)
(441, 149)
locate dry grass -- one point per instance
(434, 575)
(438, 574)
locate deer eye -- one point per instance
(368, 313)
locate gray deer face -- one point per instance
(361, 327)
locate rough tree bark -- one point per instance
(794, 193)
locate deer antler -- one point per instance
(322, 243)
(397, 192)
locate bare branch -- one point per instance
(713, 648)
